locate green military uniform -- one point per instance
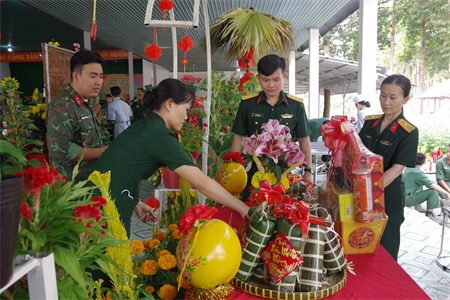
(414, 180)
(71, 126)
(315, 124)
(398, 145)
(138, 110)
(255, 111)
(136, 154)
(443, 172)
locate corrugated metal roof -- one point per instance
(441, 91)
(121, 22)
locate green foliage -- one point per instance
(178, 203)
(431, 138)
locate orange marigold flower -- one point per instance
(160, 235)
(148, 267)
(162, 253)
(147, 244)
(137, 247)
(177, 234)
(168, 292)
(108, 296)
(184, 283)
(149, 289)
(167, 262)
(173, 227)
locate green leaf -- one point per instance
(8, 148)
(278, 172)
(67, 259)
(34, 162)
(31, 126)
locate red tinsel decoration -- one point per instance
(233, 156)
(185, 45)
(165, 5)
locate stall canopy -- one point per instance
(121, 23)
(340, 76)
(440, 92)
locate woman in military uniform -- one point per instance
(149, 144)
(443, 173)
(393, 137)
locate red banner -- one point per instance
(21, 57)
(37, 56)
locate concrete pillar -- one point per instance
(147, 72)
(314, 95)
(367, 68)
(292, 73)
(87, 40)
(131, 75)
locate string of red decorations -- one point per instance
(153, 52)
(94, 23)
(246, 62)
(185, 44)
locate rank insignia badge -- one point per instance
(386, 143)
(257, 115)
(287, 116)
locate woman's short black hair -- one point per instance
(269, 64)
(420, 158)
(166, 89)
(82, 58)
(399, 80)
(365, 103)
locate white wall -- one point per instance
(4, 70)
(160, 73)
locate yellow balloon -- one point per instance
(215, 255)
(232, 177)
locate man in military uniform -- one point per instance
(272, 103)
(414, 180)
(73, 129)
(138, 107)
(443, 173)
(314, 125)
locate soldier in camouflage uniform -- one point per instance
(138, 107)
(73, 129)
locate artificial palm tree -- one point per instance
(239, 29)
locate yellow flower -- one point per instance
(43, 115)
(36, 110)
(176, 234)
(168, 292)
(9, 83)
(148, 267)
(149, 289)
(285, 183)
(258, 177)
(35, 95)
(160, 235)
(101, 179)
(162, 253)
(170, 194)
(173, 227)
(137, 247)
(184, 283)
(167, 262)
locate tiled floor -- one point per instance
(421, 241)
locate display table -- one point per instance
(379, 275)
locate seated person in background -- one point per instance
(315, 124)
(443, 173)
(414, 180)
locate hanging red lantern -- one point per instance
(185, 45)
(153, 52)
(165, 5)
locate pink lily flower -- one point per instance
(293, 158)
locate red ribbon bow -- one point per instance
(336, 136)
(297, 212)
(267, 193)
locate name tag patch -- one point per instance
(84, 117)
(287, 116)
(386, 143)
(368, 136)
(257, 115)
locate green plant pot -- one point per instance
(10, 199)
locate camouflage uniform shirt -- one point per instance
(71, 126)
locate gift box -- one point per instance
(359, 238)
(339, 203)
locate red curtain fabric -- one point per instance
(379, 275)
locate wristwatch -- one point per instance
(307, 170)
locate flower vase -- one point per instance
(171, 178)
(10, 199)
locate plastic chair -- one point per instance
(445, 212)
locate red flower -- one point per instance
(194, 213)
(100, 201)
(205, 125)
(233, 156)
(25, 212)
(153, 203)
(87, 212)
(34, 179)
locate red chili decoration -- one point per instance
(185, 45)
(153, 52)
(165, 5)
